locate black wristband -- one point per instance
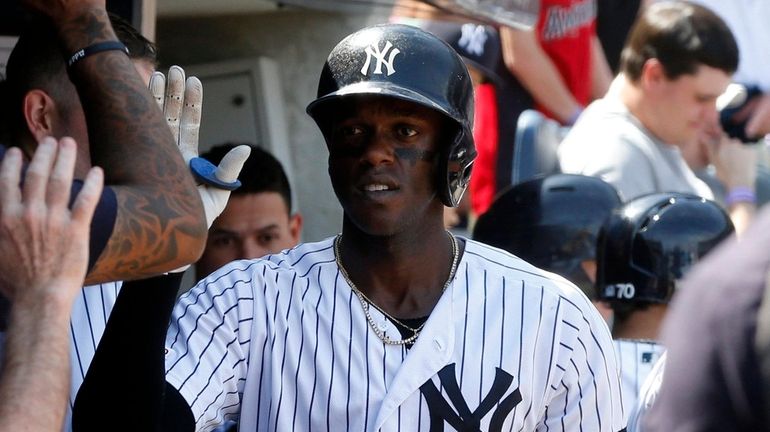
(96, 48)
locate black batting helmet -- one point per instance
(649, 244)
(407, 63)
(551, 222)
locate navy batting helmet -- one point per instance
(407, 63)
(649, 244)
(551, 222)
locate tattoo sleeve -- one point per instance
(160, 223)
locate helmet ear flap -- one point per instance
(455, 169)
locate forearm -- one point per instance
(34, 387)
(160, 224)
(529, 63)
(126, 379)
(601, 76)
(742, 214)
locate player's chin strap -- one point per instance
(762, 343)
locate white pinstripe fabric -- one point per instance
(282, 344)
(636, 359)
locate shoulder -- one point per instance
(621, 137)
(303, 258)
(300, 260)
(490, 262)
(272, 271)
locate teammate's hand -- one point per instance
(181, 101)
(735, 163)
(758, 124)
(44, 244)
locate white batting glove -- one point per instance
(181, 101)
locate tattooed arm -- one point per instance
(160, 224)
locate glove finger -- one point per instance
(174, 99)
(214, 202)
(190, 122)
(231, 164)
(158, 88)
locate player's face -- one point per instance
(251, 226)
(383, 155)
(688, 102)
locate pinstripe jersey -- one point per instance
(647, 395)
(636, 357)
(283, 344)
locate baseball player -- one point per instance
(644, 250)
(395, 324)
(147, 219)
(552, 222)
(100, 91)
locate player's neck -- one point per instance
(642, 324)
(404, 274)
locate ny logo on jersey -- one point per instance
(472, 39)
(380, 56)
(460, 417)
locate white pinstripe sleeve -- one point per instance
(208, 342)
(586, 393)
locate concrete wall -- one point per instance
(299, 41)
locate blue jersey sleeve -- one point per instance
(102, 223)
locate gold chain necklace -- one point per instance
(365, 302)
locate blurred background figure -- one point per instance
(552, 223)
(663, 102)
(718, 344)
(614, 20)
(747, 19)
(644, 250)
(557, 67)
(258, 219)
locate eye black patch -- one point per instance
(414, 155)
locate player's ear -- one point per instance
(653, 74)
(295, 227)
(39, 114)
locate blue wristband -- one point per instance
(740, 194)
(94, 49)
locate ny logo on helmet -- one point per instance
(374, 51)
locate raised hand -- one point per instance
(44, 244)
(181, 101)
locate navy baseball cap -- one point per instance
(478, 44)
